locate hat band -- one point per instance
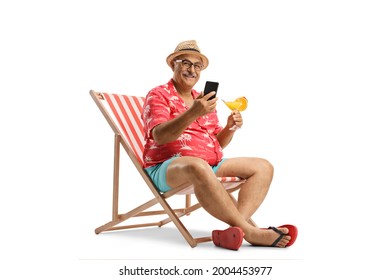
(189, 50)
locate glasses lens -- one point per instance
(188, 64)
(198, 66)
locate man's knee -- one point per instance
(265, 167)
(196, 166)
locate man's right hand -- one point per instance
(202, 105)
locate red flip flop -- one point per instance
(292, 232)
(230, 238)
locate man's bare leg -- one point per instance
(216, 201)
(258, 172)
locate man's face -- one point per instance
(186, 73)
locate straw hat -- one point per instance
(187, 47)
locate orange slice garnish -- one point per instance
(243, 103)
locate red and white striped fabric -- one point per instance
(126, 112)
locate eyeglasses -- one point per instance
(188, 64)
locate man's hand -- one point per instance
(202, 106)
(235, 118)
(226, 134)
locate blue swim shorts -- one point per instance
(158, 174)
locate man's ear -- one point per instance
(173, 66)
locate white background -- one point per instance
(316, 74)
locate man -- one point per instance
(184, 142)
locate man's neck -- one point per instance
(184, 92)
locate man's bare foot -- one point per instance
(266, 237)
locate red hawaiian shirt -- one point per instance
(162, 104)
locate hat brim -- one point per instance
(172, 56)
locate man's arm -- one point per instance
(171, 130)
(226, 135)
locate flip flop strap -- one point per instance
(281, 234)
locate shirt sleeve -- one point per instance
(156, 111)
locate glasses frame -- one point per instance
(196, 64)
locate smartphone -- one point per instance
(209, 87)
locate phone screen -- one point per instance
(209, 87)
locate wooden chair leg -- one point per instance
(115, 192)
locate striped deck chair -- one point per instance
(123, 113)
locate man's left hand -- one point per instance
(235, 118)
